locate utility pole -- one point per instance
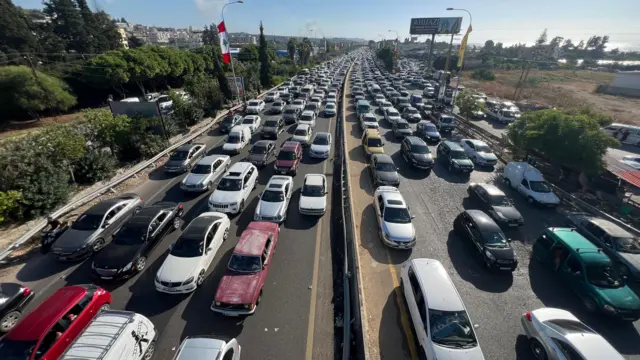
(40, 84)
(443, 79)
(433, 40)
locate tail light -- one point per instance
(141, 198)
(180, 207)
(528, 315)
(26, 291)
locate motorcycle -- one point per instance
(48, 238)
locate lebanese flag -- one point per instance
(224, 43)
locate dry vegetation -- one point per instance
(563, 89)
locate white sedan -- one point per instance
(479, 152)
(190, 256)
(313, 196)
(330, 109)
(252, 121)
(394, 220)
(320, 145)
(274, 200)
(369, 121)
(255, 107)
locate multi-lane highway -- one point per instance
(295, 317)
(495, 301)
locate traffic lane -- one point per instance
(497, 293)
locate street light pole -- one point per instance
(460, 73)
(233, 70)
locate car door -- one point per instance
(523, 188)
(573, 274)
(372, 167)
(211, 245)
(379, 205)
(417, 307)
(483, 197)
(469, 148)
(473, 234)
(114, 220)
(163, 223)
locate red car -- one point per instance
(240, 289)
(288, 158)
(46, 332)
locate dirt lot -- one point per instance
(21, 128)
(562, 88)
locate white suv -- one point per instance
(233, 190)
(274, 200)
(308, 117)
(313, 196)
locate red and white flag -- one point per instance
(224, 43)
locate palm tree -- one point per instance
(292, 45)
(304, 51)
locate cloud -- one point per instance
(210, 7)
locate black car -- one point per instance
(496, 204)
(291, 115)
(286, 98)
(272, 127)
(14, 298)
(401, 129)
(230, 121)
(127, 254)
(416, 153)
(487, 239)
(427, 131)
(454, 157)
(261, 152)
(383, 171)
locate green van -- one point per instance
(588, 272)
(363, 107)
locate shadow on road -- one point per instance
(393, 342)
(41, 266)
(522, 349)
(370, 240)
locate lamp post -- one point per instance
(397, 36)
(233, 70)
(460, 73)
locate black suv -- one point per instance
(272, 127)
(291, 115)
(453, 155)
(416, 153)
(230, 121)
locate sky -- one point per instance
(506, 21)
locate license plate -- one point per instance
(171, 289)
(106, 277)
(513, 225)
(230, 314)
(504, 268)
(62, 257)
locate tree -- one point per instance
(109, 38)
(22, 92)
(265, 62)
(292, 45)
(15, 32)
(571, 140)
(186, 113)
(488, 45)
(205, 92)
(248, 53)
(467, 104)
(135, 42)
(386, 56)
(568, 45)
(542, 39)
(108, 70)
(440, 63)
(67, 22)
(106, 129)
(210, 35)
(304, 51)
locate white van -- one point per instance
(208, 348)
(617, 130)
(530, 183)
(114, 335)
(239, 137)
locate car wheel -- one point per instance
(98, 245)
(225, 236)
(241, 206)
(589, 304)
(623, 269)
(537, 349)
(200, 278)
(475, 159)
(450, 168)
(141, 263)
(176, 223)
(259, 298)
(507, 181)
(9, 321)
(530, 200)
(137, 209)
(105, 307)
(150, 350)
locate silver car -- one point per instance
(185, 157)
(274, 200)
(394, 220)
(556, 334)
(205, 173)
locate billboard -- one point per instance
(141, 109)
(232, 84)
(435, 26)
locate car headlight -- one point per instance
(499, 215)
(127, 267)
(609, 308)
(246, 306)
(188, 281)
(217, 303)
(279, 217)
(489, 255)
(455, 164)
(235, 203)
(157, 279)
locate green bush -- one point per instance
(483, 74)
(44, 186)
(276, 79)
(95, 166)
(9, 205)
(150, 145)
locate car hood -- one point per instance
(194, 179)
(256, 157)
(399, 232)
(488, 155)
(463, 162)
(235, 288)
(425, 158)
(226, 126)
(445, 353)
(508, 212)
(287, 116)
(387, 176)
(632, 260)
(177, 269)
(175, 163)
(266, 208)
(73, 239)
(547, 198)
(254, 108)
(414, 116)
(502, 253)
(285, 163)
(313, 202)
(432, 134)
(268, 129)
(116, 256)
(299, 138)
(319, 148)
(224, 197)
(622, 297)
(405, 131)
(231, 146)
(376, 150)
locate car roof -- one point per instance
(236, 170)
(278, 180)
(198, 226)
(253, 239)
(274, 118)
(263, 142)
(475, 141)
(584, 248)
(491, 189)
(200, 347)
(145, 216)
(392, 198)
(251, 117)
(186, 147)
(303, 126)
(103, 206)
(373, 133)
(37, 322)
(611, 228)
(322, 134)
(401, 121)
(483, 221)
(308, 112)
(314, 179)
(383, 158)
(208, 160)
(290, 145)
(414, 140)
(453, 145)
(439, 290)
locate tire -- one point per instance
(259, 298)
(105, 307)
(589, 304)
(623, 269)
(225, 236)
(537, 349)
(530, 200)
(98, 245)
(200, 278)
(9, 321)
(148, 355)
(450, 167)
(508, 182)
(137, 209)
(141, 263)
(176, 223)
(241, 207)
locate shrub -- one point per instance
(150, 145)
(43, 185)
(9, 205)
(95, 166)
(483, 74)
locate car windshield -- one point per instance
(321, 140)
(248, 120)
(300, 132)
(494, 239)
(397, 215)
(290, 111)
(451, 328)
(313, 190)
(402, 125)
(201, 169)
(277, 104)
(458, 155)
(393, 113)
(483, 148)
(16, 349)
(87, 222)
(446, 120)
(271, 123)
(604, 276)
(179, 155)
(227, 184)
(539, 186)
(257, 149)
(507, 113)
(286, 155)
(500, 200)
(330, 106)
(245, 263)
(420, 149)
(228, 120)
(253, 103)
(629, 245)
(382, 166)
(131, 235)
(233, 139)
(306, 117)
(370, 119)
(374, 142)
(187, 248)
(412, 111)
(298, 102)
(272, 196)
(430, 128)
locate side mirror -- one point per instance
(509, 240)
(413, 216)
(171, 246)
(106, 224)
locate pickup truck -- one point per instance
(503, 116)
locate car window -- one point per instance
(573, 264)
(525, 183)
(211, 234)
(595, 230)
(567, 350)
(267, 250)
(381, 204)
(417, 294)
(545, 241)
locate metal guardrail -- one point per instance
(114, 182)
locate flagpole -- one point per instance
(233, 70)
(465, 44)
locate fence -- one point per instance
(114, 182)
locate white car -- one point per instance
(234, 188)
(190, 256)
(307, 117)
(369, 121)
(479, 152)
(392, 115)
(378, 99)
(255, 107)
(313, 196)
(320, 145)
(252, 121)
(440, 319)
(274, 200)
(332, 97)
(330, 109)
(394, 220)
(205, 173)
(632, 160)
(302, 134)
(208, 347)
(272, 96)
(384, 105)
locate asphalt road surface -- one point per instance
(495, 301)
(295, 317)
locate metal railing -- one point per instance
(114, 182)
